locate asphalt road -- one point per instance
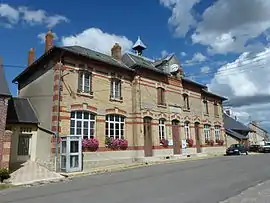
(201, 181)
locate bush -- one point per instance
(190, 142)
(210, 142)
(116, 144)
(164, 142)
(4, 174)
(91, 144)
(220, 142)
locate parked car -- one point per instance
(265, 148)
(237, 149)
(254, 148)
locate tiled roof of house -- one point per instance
(21, 111)
(232, 124)
(4, 90)
(259, 127)
(213, 94)
(235, 134)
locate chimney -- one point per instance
(31, 56)
(116, 52)
(48, 40)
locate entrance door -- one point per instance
(176, 137)
(71, 154)
(148, 146)
(24, 147)
(197, 137)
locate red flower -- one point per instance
(190, 142)
(164, 142)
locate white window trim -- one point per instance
(83, 73)
(187, 130)
(162, 129)
(206, 130)
(116, 85)
(82, 120)
(109, 121)
(217, 132)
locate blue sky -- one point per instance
(219, 42)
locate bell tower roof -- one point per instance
(139, 46)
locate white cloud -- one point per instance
(164, 53)
(183, 53)
(205, 69)
(246, 82)
(181, 19)
(224, 29)
(33, 17)
(41, 36)
(197, 57)
(98, 40)
(9, 13)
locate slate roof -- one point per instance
(213, 94)
(4, 90)
(235, 134)
(259, 127)
(21, 111)
(232, 124)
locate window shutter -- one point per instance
(91, 83)
(111, 96)
(159, 95)
(80, 82)
(120, 90)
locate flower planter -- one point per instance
(164, 143)
(210, 142)
(116, 144)
(90, 145)
(190, 142)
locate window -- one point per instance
(82, 123)
(116, 89)
(205, 107)
(115, 125)
(216, 109)
(160, 96)
(187, 130)
(162, 129)
(186, 101)
(206, 130)
(217, 132)
(23, 145)
(84, 82)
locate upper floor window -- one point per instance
(216, 109)
(206, 130)
(115, 126)
(186, 101)
(160, 96)
(85, 82)
(187, 130)
(205, 107)
(82, 123)
(217, 132)
(116, 89)
(161, 126)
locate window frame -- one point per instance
(162, 129)
(217, 131)
(82, 80)
(91, 124)
(186, 102)
(207, 132)
(205, 107)
(161, 101)
(114, 122)
(116, 82)
(23, 149)
(187, 130)
(216, 110)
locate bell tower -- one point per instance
(139, 47)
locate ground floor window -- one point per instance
(115, 125)
(161, 126)
(187, 130)
(24, 145)
(82, 123)
(217, 132)
(206, 130)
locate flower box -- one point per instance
(190, 142)
(91, 144)
(164, 142)
(210, 142)
(116, 143)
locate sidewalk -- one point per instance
(257, 194)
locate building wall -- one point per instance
(3, 116)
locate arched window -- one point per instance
(115, 125)
(162, 129)
(206, 130)
(187, 130)
(82, 123)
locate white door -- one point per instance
(24, 146)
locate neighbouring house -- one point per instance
(150, 103)
(258, 135)
(236, 132)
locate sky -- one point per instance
(221, 43)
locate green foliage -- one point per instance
(4, 174)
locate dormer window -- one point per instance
(186, 102)
(85, 82)
(161, 96)
(116, 89)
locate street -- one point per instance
(202, 181)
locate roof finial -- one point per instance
(139, 46)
